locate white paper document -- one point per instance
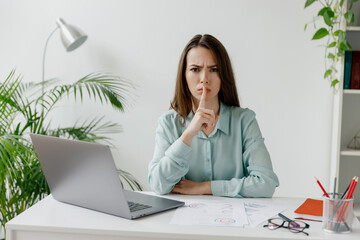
(226, 212)
(260, 211)
(210, 212)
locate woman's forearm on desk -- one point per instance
(168, 166)
(251, 186)
(192, 188)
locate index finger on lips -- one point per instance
(203, 99)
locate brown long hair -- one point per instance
(182, 101)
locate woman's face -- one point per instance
(202, 70)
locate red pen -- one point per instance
(348, 196)
(356, 181)
(326, 194)
(351, 188)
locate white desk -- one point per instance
(50, 219)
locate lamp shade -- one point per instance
(71, 36)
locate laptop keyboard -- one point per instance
(137, 206)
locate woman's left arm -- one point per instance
(260, 179)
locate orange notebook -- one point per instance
(311, 209)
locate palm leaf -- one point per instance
(12, 160)
(107, 88)
(90, 131)
(8, 104)
(11, 152)
(131, 181)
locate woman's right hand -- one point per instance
(203, 119)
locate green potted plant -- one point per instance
(334, 16)
(25, 109)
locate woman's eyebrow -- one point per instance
(194, 65)
(215, 65)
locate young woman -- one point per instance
(206, 143)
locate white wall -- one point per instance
(278, 70)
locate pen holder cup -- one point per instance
(337, 214)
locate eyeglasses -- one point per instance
(285, 222)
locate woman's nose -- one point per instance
(204, 78)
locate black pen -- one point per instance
(342, 196)
(334, 188)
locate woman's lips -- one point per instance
(200, 90)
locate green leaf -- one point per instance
(347, 46)
(342, 36)
(327, 13)
(323, 11)
(327, 18)
(327, 73)
(334, 82)
(305, 27)
(331, 56)
(322, 32)
(349, 17)
(308, 3)
(336, 33)
(344, 45)
(341, 53)
(333, 44)
(341, 3)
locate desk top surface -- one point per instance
(52, 215)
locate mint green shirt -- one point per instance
(233, 157)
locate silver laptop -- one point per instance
(84, 174)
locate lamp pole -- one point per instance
(43, 60)
(72, 38)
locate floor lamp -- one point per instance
(71, 36)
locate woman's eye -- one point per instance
(194, 69)
(214, 70)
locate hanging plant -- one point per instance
(333, 16)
